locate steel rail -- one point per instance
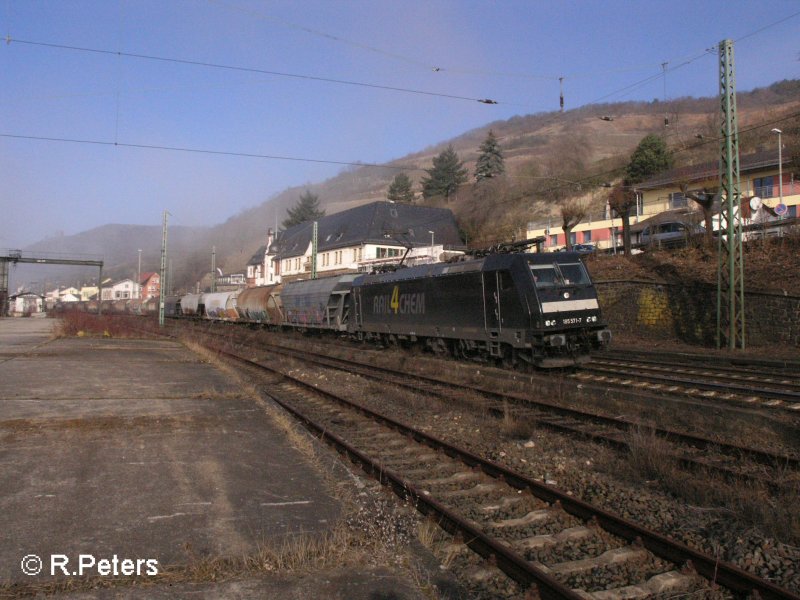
(655, 356)
(726, 372)
(758, 456)
(510, 562)
(723, 573)
(673, 379)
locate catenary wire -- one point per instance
(208, 151)
(198, 63)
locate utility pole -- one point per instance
(163, 273)
(730, 269)
(139, 274)
(314, 233)
(213, 269)
(780, 166)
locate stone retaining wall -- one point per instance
(687, 313)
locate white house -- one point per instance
(361, 238)
(120, 290)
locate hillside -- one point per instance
(538, 149)
(542, 152)
(117, 246)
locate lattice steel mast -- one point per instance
(730, 270)
(163, 272)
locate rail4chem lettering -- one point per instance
(411, 303)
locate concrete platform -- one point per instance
(136, 449)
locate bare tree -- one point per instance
(572, 213)
(621, 200)
(705, 198)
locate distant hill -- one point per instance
(539, 150)
(116, 245)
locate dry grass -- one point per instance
(342, 546)
(79, 324)
(650, 460)
(371, 530)
(651, 456)
(516, 425)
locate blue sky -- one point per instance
(510, 51)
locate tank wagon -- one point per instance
(517, 308)
(261, 305)
(192, 305)
(318, 303)
(172, 306)
(221, 305)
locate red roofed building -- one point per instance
(150, 285)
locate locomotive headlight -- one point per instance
(566, 295)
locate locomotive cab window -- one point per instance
(574, 274)
(545, 275)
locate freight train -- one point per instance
(514, 308)
(537, 309)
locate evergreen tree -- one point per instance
(306, 209)
(400, 189)
(447, 174)
(490, 162)
(650, 158)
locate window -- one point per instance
(574, 274)
(388, 252)
(573, 237)
(544, 275)
(677, 200)
(554, 239)
(762, 186)
(587, 236)
(554, 275)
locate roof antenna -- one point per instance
(561, 96)
(666, 114)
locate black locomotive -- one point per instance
(539, 309)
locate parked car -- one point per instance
(585, 248)
(670, 233)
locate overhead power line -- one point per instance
(198, 63)
(207, 151)
(583, 180)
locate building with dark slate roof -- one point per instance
(255, 267)
(365, 236)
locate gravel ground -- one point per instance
(589, 472)
(724, 526)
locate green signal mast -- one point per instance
(730, 270)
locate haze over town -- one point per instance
(115, 111)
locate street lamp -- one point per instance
(780, 165)
(431, 232)
(139, 274)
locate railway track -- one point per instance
(536, 535)
(732, 462)
(711, 384)
(733, 363)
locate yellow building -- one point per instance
(661, 198)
